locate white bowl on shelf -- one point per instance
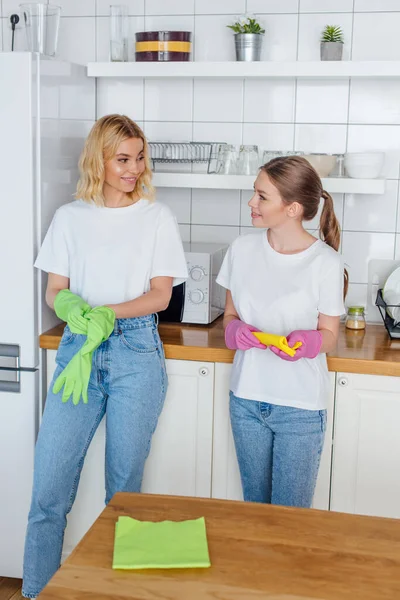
(364, 165)
(322, 163)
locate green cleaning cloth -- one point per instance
(164, 545)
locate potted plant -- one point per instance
(332, 43)
(248, 38)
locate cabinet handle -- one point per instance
(343, 381)
(203, 371)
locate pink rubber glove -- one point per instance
(238, 336)
(311, 345)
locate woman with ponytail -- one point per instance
(286, 282)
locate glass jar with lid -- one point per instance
(355, 317)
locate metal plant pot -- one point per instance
(248, 46)
(331, 50)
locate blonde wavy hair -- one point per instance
(101, 146)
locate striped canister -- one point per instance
(163, 46)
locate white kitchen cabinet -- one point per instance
(180, 458)
(366, 451)
(225, 473)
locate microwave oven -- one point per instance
(200, 299)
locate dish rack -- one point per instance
(392, 329)
(186, 153)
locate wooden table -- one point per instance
(257, 551)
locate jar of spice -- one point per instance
(355, 317)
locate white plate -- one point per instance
(391, 294)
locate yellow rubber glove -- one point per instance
(76, 375)
(279, 341)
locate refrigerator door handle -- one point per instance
(10, 386)
(10, 379)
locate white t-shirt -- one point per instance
(111, 254)
(279, 293)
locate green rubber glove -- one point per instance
(75, 378)
(72, 309)
(76, 375)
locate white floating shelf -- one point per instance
(245, 182)
(227, 69)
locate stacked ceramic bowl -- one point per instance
(322, 163)
(364, 165)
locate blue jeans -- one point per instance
(128, 382)
(278, 449)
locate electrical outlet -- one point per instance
(19, 25)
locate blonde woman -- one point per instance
(113, 247)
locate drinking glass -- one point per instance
(248, 161)
(42, 23)
(118, 33)
(227, 160)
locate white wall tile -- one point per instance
(326, 6)
(374, 35)
(2, 21)
(168, 99)
(220, 7)
(329, 139)
(220, 101)
(78, 96)
(213, 40)
(123, 96)
(375, 103)
(310, 29)
(338, 201)
(357, 295)
(162, 131)
(103, 37)
(280, 40)
(322, 101)
(181, 22)
(397, 248)
(214, 234)
(179, 200)
(73, 135)
(385, 138)
(77, 8)
(185, 232)
(169, 7)
(266, 103)
(273, 6)
(77, 39)
(135, 7)
(376, 5)
(216, 207)
(359, 248)
(10, 6)
(270, 136)
(371, 212)
(245, 211)
(231, 133)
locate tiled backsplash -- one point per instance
(328, 116)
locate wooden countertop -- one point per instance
(257, 551)
(371, 352)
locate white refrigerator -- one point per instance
(40, 143)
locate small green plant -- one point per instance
(246, 24)
(332, 33)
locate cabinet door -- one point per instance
(226, 478)
(180, 457)
(366, 451)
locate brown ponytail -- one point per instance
(330, 231)
(297, 181)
